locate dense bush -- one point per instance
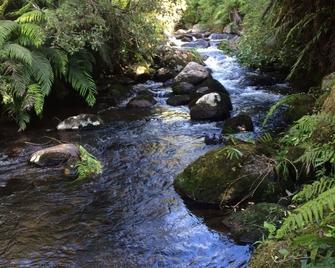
(213, 13)
(47, 40)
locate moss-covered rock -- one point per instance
(220, 178)
(298, 108)
(247, 225)
(270, 254)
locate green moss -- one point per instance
(223, 176)
(271, 254)
(247, 225)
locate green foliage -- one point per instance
(214, 14)
(88, 165)
(289, 34)
(287, 100)
(232, 153)
(41, 41)
(312, 191)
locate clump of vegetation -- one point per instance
(214, 14)
(43, 42)
(87, 166)
(290, 35)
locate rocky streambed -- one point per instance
(131, 215)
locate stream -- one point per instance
(131, 216)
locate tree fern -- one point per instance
(42, 72)
(79, 76)
(31, 34)
(59, 61)
(16, 52)
(7, 27)
(34, 16)
(36, 96)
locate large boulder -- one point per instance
(193, 73)
(247, 226)
(178, 100)
(55, 155)
(228, 175)
(183, 88)
(144, 99)
(212, 106)
(239, 123)
(80, 121)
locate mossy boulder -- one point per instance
(298, 108)
(240, 123)
(246, 226)
(219, 178)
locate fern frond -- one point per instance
(88, 165)
(79, 76)
(42, 71)
(20, 79)
(33, 33)
(311, 212)
(33, 16)
(58, 59)
(287, 100)
(311, 191)
(19, 53)
(232, 153)
(7, 27)
(36, 94)
(266, 138)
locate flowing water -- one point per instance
(131, 216)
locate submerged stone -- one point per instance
(55, 155)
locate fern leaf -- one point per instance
(42, 72)
(311, 212)
(19, 53)
(20, 79)
(58, 59)
(7, 27)
(33, 33)
(31, 16)
(79, 76)
(310, 192)
(287, 100)
(36, 93)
